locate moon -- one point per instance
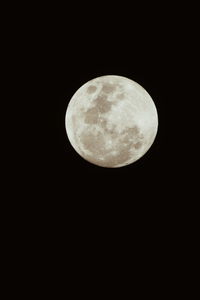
(111, 121)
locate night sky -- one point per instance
(72, 204)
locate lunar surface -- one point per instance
(111, 121)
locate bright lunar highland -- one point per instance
(111, 121)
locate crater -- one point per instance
(102, 104)
(138, 145)
(132, 131)
(91, 89)
(112, 131)
(93, 142)
(104, 157)
(103, 123)
(134, 136)
(108, 87)
(130, 134)
(120, 96)
(118, 159)
(91, 115)
(120, 154)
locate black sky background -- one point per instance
(68, 205)
(67, 48)
(134, 44)
(70, 48)
(62, 47)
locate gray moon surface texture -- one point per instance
(111, 121)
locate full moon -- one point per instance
(111, 121)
